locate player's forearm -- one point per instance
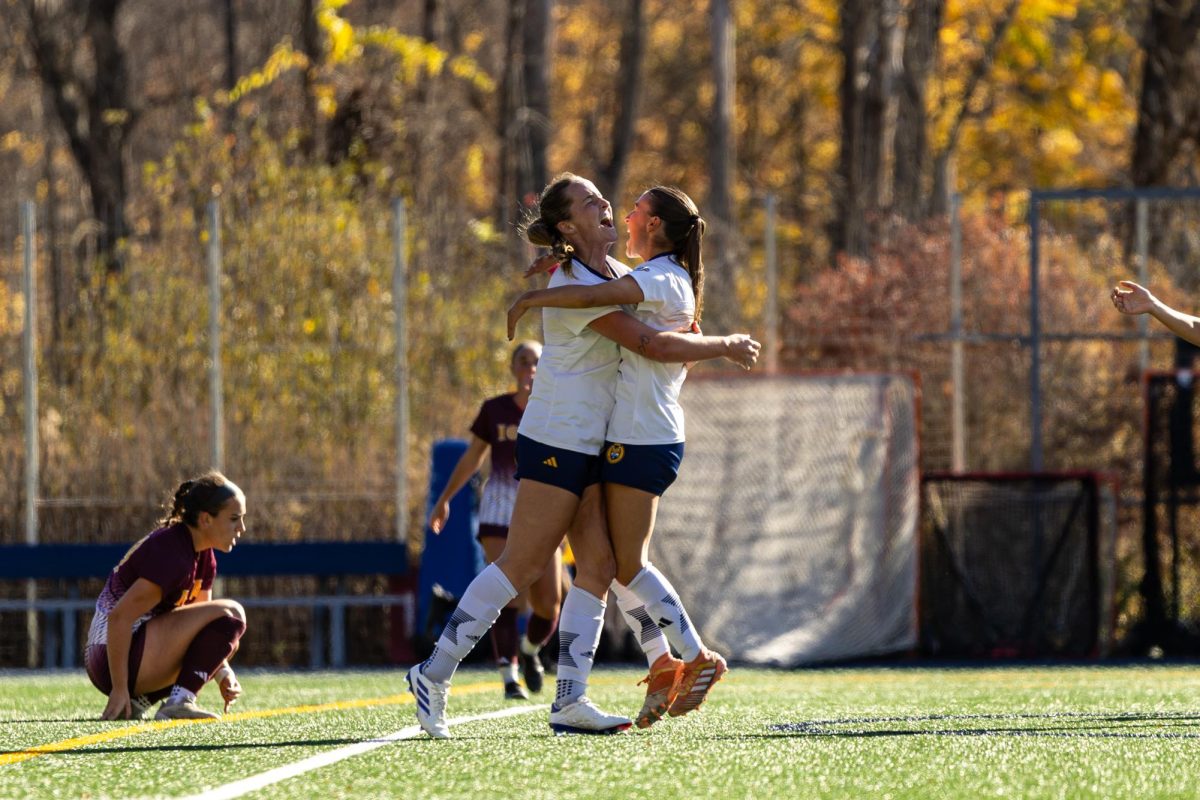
(120, 636)
(463, 470)
(1185, 326)
(559, 297)
(673, 347)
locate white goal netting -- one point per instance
(791, 531)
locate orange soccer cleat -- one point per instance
(697, 679)
(661, 686)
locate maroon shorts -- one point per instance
(95, 660)
(499, 531)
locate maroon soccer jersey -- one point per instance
(497, 424)
(166, 559)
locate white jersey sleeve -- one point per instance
(647, 408)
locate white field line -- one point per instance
(272, 776)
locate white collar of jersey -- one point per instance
(668, 258)
(589, 269)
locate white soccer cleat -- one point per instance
(431, 703)
(583, 716)
(185, 710)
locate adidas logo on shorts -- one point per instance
(551, 462)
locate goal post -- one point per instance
(790, 533)
(1017, 565)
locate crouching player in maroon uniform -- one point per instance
(157, 632)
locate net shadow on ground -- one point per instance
(1083, 725)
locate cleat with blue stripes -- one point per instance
(431, 703)
(583, 716)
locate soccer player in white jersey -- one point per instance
(495, 431)
(558, 458)
(645, 437)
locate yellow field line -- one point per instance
(148, 727)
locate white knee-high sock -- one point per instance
(649, 635)
(666, 609)
(579, 626)
(470, 622)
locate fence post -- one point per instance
(958, 413)
(1143, 247)
(772, 310)
(1035, 336)
(29, 368)
(215, 378)
(400, 310)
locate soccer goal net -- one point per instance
(1017, 565)
(790, 532)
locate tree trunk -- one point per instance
(95, 111)
(231, 65)
(507, 202)
(912, 116)
(534, 109)
(1169, 105)
(310, 44)
(883, 102)
(633, 42)
(720, 296)
(858, 153)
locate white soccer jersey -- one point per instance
(573, 392)
(647, 409)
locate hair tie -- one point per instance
(694, 218)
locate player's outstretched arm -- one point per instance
(470, 463)
(1130, 298)
(673, 346)
(610, 293)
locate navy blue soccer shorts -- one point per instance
(649, 467)
(556, 466)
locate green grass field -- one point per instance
(1127, 732)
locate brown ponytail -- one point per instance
(554, 206)
(684, 229)
(208, 493)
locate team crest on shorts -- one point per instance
(615, 453)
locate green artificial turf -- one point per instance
(1070, 732)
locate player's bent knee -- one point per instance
(230, 626)
(596, 572)
(627, 574)
(520, 572)
(235, 610)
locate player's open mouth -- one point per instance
(606, 222)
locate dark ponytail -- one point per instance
(684, 229)
(208, 492)
(554, 206)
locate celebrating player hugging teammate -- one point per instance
(644, 442)
(559, 443)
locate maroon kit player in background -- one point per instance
(495, 429)
(157, 632)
